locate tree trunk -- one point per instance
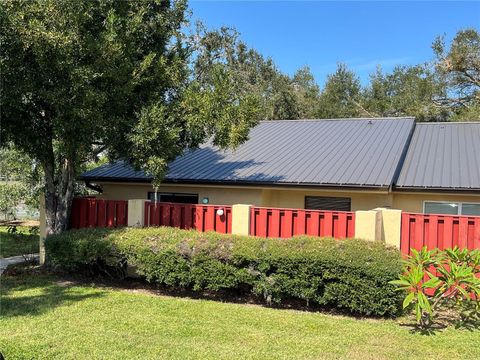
(58, 196)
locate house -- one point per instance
(339, 164)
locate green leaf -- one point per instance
(408, 300)
(418, 311)
(432, 283)
(463, 292)
(425, 302)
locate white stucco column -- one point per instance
(136, 212)
(368, 225)
(391, 226)
(241, 219)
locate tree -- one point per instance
(459, 66)
(250, 73)
(11, 194)
(81, 78)
(341, 96)
(307, 92)
(406, 91)
(279, 96)
(282, 104)
(19, 180)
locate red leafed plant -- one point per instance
(434, 280)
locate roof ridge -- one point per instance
(448, 122)
(343, 119)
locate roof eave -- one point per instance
(115, 179)
(435, 189)
(241, 183)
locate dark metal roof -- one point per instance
(442, 156)
(340, 152)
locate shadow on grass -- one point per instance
(469, 324)
(240, 296)
(58, 288)
(428, 331)
(443, 322)
(19, 243)
(44, 294)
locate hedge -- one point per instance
(350, 275)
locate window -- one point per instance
(328, 203)
(174, 197)
(451, 208)
(441, 208)
(470, 209)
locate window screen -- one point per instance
(441, 208)
(174, 197)
(470, 209)
(328, 203)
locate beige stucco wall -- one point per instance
(413, 202)
(275, 197)
(286, 197)
(361, 200)
(216, 195)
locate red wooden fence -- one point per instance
(439, 231)
(189, 216)
(276, 222)
(91, 212)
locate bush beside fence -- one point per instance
(350, 275)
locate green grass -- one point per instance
(45, 317)
(17, 244)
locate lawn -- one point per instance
(23, 242)
(43, 316)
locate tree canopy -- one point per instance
(459, 68)
(443, 89)
(19, 181)
(81, 78)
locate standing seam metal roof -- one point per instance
(442, 156)
(337, 152)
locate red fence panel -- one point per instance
(91, 212)
(285, 223)
(189, 216)
(439, 231)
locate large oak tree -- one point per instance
(79, 78)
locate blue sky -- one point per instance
(360, 34)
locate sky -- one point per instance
(360, 34)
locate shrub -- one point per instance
(436, 280)
(350, 275)
(86, 249)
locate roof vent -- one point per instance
(370, 122)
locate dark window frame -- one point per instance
(175, 197)
(346, 207)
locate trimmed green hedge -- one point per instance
(350, 275)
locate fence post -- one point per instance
(42, 230)
(241, 219)
(368, 225)
(391, 226)
(136, 212)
